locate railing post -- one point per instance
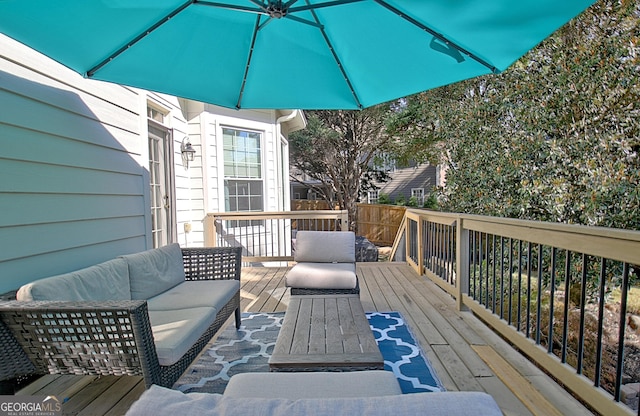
(344, 220)
(407, 239)
(419, 247)
(462, 263)
(209, 231)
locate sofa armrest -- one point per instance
(212, 263)
(82, 338)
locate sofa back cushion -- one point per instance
(104, 281)
(153, 271)
(325, 247)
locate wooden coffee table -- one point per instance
(325, 333)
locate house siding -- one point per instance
(72, 187)
(403, 180)
(205, 127)
(74, 156)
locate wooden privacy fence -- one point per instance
(377, 223)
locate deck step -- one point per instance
(518, 384)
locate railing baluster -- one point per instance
(601, 294)
(539, 297)
(583, 300)
(480, 260)
(552, 298)
(510, 271)
(493, 276)
(624, 289)
(528, 322)
(565, 318)
(518, 325)
(475, 260)
(472, 263)
(501, 277)
(452, 251)
(487, 259)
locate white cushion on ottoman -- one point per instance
(313, 385)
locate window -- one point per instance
(372, 196)
(243, 185)
(155, 115)
(419, 194)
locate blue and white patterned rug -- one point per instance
(249, 348)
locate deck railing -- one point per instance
(267, 236)
(547, 288)
(559, 293)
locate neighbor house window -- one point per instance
(419, 194)
(243, 184)
(372, 196)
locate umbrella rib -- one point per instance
(91, 72)
(322, 5)
(256, 28)
(437, 35)
(335, 57)
(261, 10)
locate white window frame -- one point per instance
(247, 179)
(373, 196)
(419, 194)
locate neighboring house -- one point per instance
(302, 186)
(415, 181)
(92, 170)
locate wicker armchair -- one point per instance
(114, 337)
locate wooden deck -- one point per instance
(466, 355)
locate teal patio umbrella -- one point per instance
(306, 54)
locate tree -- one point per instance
(555, 137)
(337, 149)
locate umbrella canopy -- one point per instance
(307, 54)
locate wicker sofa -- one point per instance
(148, 313)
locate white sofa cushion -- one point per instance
(322, 276)
(175, 331)
(193, 294)
(325, 247)
(309, 385)
(160, 401)
(154, 271)
(104, 281)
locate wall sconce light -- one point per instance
(188, 152)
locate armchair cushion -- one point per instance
(322, 276)
(325, 247)
(104, 281)
(154, 271)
